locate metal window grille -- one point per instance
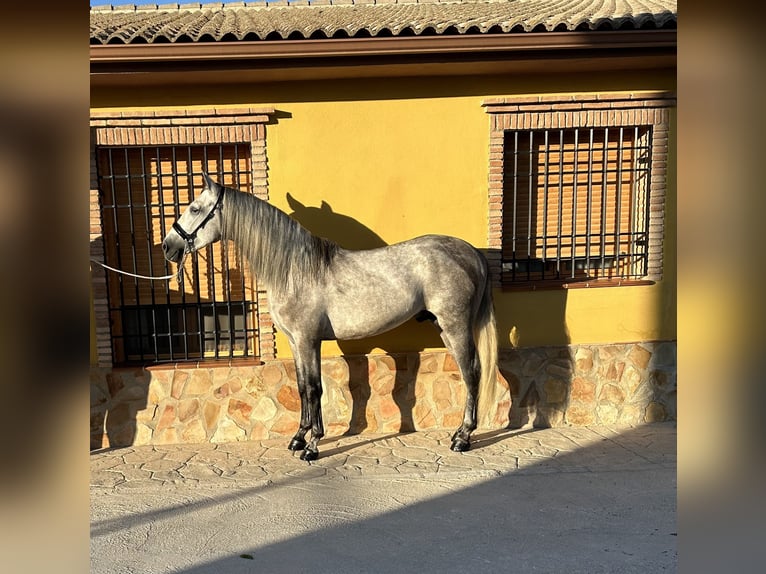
(575, 205)
(212, 312)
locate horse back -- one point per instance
(371, 291)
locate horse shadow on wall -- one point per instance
(539, 378)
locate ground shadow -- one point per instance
(481, 440)
(606, 507)
(336, 450)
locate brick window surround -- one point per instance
(569, 112)
(169, 128)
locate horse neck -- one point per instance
(282, 253)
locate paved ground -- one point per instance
(569, 500)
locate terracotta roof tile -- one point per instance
(300, 19)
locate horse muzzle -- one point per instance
(173, 249)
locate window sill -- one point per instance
(209, 364)
(558, 285)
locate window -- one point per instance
(577, 190)
(210, 313)
(576, 204)
(146, 167)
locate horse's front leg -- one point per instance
(309, 373)
(314, 394)
(298, 442)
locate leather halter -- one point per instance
(191, 237)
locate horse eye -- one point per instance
(194, 209)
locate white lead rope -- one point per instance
(176, 275)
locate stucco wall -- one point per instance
(378, 161)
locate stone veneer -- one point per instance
(626, 383)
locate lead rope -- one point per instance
(176, 275)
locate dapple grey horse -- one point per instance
(319, 291)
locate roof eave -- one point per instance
(205, 54)
(263, 61)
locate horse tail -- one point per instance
(485, 337)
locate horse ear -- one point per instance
(209, 181)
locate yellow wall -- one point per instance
(386, 160)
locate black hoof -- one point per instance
(309, 455)
(460, 445)
(297, 444)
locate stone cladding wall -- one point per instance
(549, 386)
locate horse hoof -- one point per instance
(460, 445)
(309, 455)
(296, 444)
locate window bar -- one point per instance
(182, 279)
(217, 333)
(560, 214)
(181, 284)
(618, 201)
(102, 199)
(576, 172)
(225, 247)
(635, 218)
(117, 247)
(226, 256)
(225, 268)
(168, 307)
(589, 206)
(646, 197)
(133, 254)
(252, 310)
(210, 270)
(195, 262)
(529, 211)
(238, 184)
(148, 218)
(185, 332)
(515, 199)
(545, 200)
(604, 190)
(212, 274)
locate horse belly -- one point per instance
(356, 318)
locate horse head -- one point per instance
(198, 226)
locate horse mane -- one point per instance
(282, 253)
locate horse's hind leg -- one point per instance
(459, 342)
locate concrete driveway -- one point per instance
(569, 500)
